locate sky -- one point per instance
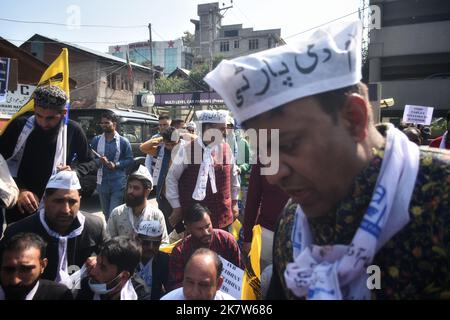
(169, 18)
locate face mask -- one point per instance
(102, 288)
(18, 292)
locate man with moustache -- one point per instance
(358, 197)
(201, 235)
(22, 263)
(71, 236)
(116, 157)
(125, 219)
(33, 149)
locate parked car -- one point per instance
(136, 126)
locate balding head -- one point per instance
(202, 275)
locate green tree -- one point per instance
(188, 39)
(171, 85)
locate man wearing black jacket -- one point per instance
(72, 237)
(22, 264)
(32, 147)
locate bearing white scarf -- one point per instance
(338, 271)
(158, 164)
(443, 141)
(101, 151)
(62, 274)
(206, 170)
(16, 158)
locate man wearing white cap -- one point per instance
(357, 197)
(33, 147)
(206, 175)
(125, 219)
(72, 237)
(154, 265)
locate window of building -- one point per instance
(230, 33)
(403, 12)
(269, 42)
(253, 44)
(37, 49)
(111, 80)
(170, 60)
(224, 46)
(236, 44)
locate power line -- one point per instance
(323, 24)
(159, 35)
(242, 12)
(95, 81)
(80, 25)
(78, 42)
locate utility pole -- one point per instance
(211, 39)
(152, 74)
(212, 29)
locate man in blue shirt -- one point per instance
(116, 157)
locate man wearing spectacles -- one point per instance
(154, 265)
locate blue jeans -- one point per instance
(109, 199)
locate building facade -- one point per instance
(168, 55)
(410, 54)
(214, 39)
(103, 80)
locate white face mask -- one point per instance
(102, 288)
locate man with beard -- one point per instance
(32, 146)
(161, 149)
(116, 158)
(201, 235)
(113, 276)
(125, 219)
(369, 213)
(21, 266)
(205, 172)
(71, 236)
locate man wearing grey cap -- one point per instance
(72, 236)
(369, 214)
(32, 147)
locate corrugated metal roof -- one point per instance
(92, 51)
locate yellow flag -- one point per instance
(236, 228)
(57, 74)
(167, 248)
(251, 284)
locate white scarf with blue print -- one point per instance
(339, 271)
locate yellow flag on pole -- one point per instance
(251, 284)
(57, 74)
